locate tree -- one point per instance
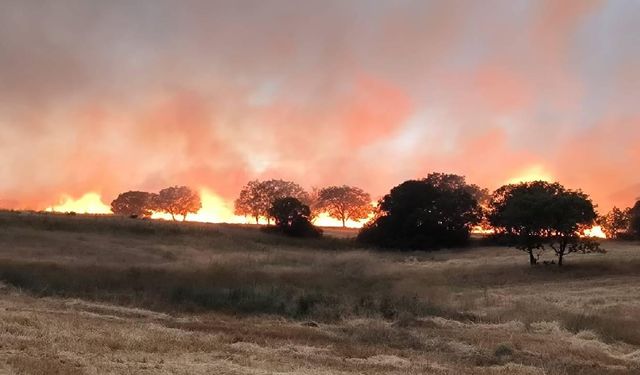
(517, 211)
(454, 182)
(424, 214)
(292, 217)
(615, 222)
(252, 202)
(133, 203)
(258, 196)
(634, 215)
(178, 200)
(534, 214)
(312, 201)
(569, 214)
(344, 203)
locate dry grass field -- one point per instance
(103, 295)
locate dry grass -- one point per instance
(95, 295)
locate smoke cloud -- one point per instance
(112, 96)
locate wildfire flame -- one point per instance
(324, 220)
(216, 210)
(90, 203)
(594, 232)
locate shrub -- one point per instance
(292, 218)
(431, 213)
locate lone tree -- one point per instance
(344, 203)
(292, 218)
(518, 211)
(133, 204)
(434, 212)
(178, 200)
(534, 214)
(258, 196)
(615, 222)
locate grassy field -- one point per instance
(100, 295)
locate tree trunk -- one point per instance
(532, 260)
(173, 217)
(257, 220)
(560, 259)
(562, 250)
(184, 217)
(344, 222)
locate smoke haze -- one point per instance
(109, 96)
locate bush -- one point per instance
(426, 214)
(292, 218)
(503, 350)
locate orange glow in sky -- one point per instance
(532, 173)
(271, 90)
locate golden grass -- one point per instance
(95, 295)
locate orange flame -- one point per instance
(217, 210)
(594, 232)
(324, 220)
(90, 203)
(214, 210)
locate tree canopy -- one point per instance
(615, 222)
(178, 200)
(292, 217)
(133, 203)
(258, 196)
(344, 203)
(437, 211)
(534, 214)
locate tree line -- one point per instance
(437, 211)
(343, 203)
(621, 223)
(175, 201)
(441, 210)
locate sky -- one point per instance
(101, 97)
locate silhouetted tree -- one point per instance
(569, 214)
(292, 217)
(344, 203)
(258, 196)
(133, 203)
(454, 182)
(518, 212)
(178, 200)
(532, 214)
(634, 215)
(424, 214)
(615, 222)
